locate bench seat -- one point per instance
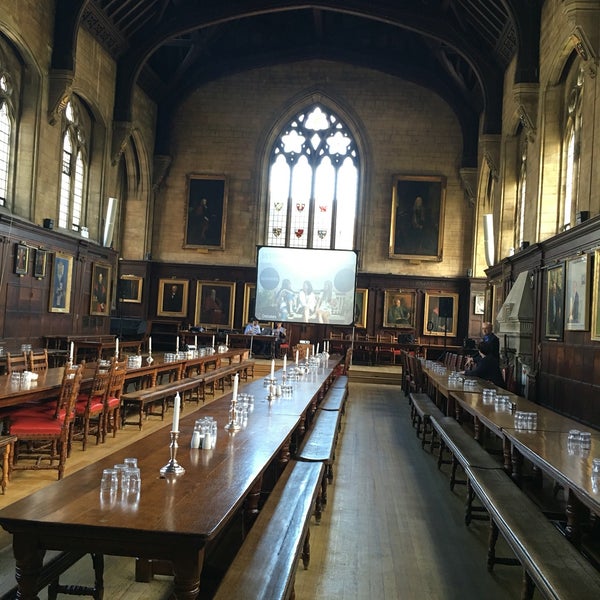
(319, 446)
(549, 560)
(266, 563)
(335, 399)
(421, 409)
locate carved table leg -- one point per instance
(187, 567)
(29, 559)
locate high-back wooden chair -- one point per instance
(112, 406)
(38, 360)
(89, 408)
(43, 438)
(16, 363)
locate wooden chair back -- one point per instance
(38, 360)
(16, 363)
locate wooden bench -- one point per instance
(319, 446)
(340, 381)
(145, 398)
(266, 563)
(335, 399)
(421, 409)
(550, 562)
(466, 452)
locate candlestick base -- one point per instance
(149, 360)
(172, 467)
(233, 426)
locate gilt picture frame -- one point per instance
(206, 211)
(214, 304)
(595, 310)
(21, 259)
(60, 289)
(417, 218)
(172, 297)
(555, 302)
(100, 293)
(577, 307)
(40, 264)
(130, 288)
(361, 301)
(399, 309)
(440, 314)
(249, 303)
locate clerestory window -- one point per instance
(74, 167)
(313, 183)
(6, 132)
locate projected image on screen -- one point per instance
(305, 286)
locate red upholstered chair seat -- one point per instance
(36, 425)
(113, 402)
(96, 406)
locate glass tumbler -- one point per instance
(109, 484)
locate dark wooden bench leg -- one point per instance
(306, 550)
(319, 508)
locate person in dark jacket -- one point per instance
(488, 367)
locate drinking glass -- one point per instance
(130, 462)
(108, 485)
(131, 481)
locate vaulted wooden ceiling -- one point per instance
(458, 48)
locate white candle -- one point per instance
(177, 344)
(235, 387)
(150, 344)
(213, 342)
(318, 347)
(307, 352)
(273, 369)
(196, 342)
(117, 347)
(227, 340)
(284, 361)
(71, 353)
(176, 409)
(297, 356)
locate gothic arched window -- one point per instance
(313, 183)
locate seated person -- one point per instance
(280, 336)
(488, 366)
(253, 328)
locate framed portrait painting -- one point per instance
(417, 219)
(440, 314)
(479, 304)
(130, 288)
(21, 259)
(100, 292)
(249, 302)
(361, 300)
(214, 304)
(577, 314)
(555, 302)
(399, 309)
(595, 333)
(172, 297)
(60, 290)
(40, 263)
(206, 210)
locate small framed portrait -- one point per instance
(214, 304)
(440, 314)
(577, 314)
(60, 290)
(206, 211)
(130, 288)
(479, 304)
(361, 301)
(40, 263)
(100, 292)
(399, 309)
(172, 297)
(417, 219)
(21, 259)
(555, 302)
(249, 303)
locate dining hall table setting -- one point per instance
(189, 493)
(564, 449)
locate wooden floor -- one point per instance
(392, 527)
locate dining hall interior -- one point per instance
(154, 152)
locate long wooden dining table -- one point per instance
(174, 517)
(47, 386)
(545, 446)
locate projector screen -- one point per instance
(299, 285)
